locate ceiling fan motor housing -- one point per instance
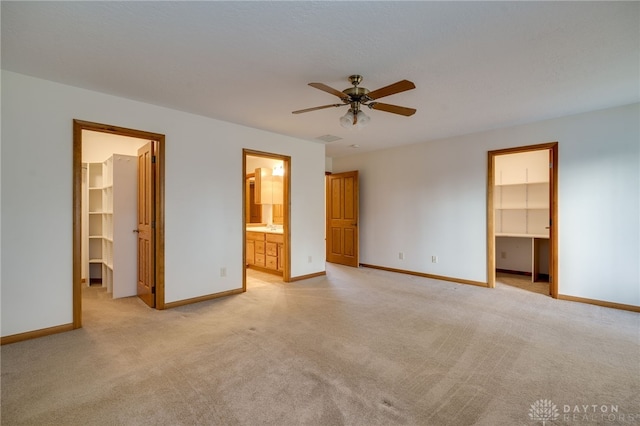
(356, 92)
(356, 95)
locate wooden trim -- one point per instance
(203, 298)
(491, 220)
(305, 277)
(78, 127)
(76, 250)
(621, 306)
(424, 275)
(286, 218)
(159, 237)
(120, 131)
(515, 150)
(244, 219)
(14, 338)
(553, 188)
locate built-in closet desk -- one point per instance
(536, 243)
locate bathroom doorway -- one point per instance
(265, 215)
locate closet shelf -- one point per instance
(523, 208)
(112, 246)
(506, 234)
(523, 183)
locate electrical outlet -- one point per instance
(223, 272)
(401, 256)
(434, 259)
(503, 255)
(309, 259)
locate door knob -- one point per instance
(136, 230)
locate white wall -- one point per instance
(430, 199)
(203, 197)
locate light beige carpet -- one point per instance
(357, 347)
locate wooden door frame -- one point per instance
(78, 127)
(552, 147)
(286, 160)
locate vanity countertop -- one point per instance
(266, 229)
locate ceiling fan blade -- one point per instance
(300, 111)
(328, 89)
(391, 89)
(392, 108)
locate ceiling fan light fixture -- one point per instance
(363, 119)
(346, 120)
(357, 121)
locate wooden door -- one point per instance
(342, 218)
(146, 224)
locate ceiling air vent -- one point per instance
(328, 138)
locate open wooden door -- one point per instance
(146, 222)
(342, 219)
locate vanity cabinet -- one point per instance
(265, 251)
(272, 255)
(281, 258)
(274, 246)
(255, 248)
(251, 251)
(259, 256)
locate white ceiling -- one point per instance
(476, 65)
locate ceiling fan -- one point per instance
(357, 97)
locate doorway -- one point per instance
(157, 261)
(109, 212)
(266, 240)
(522, 208)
